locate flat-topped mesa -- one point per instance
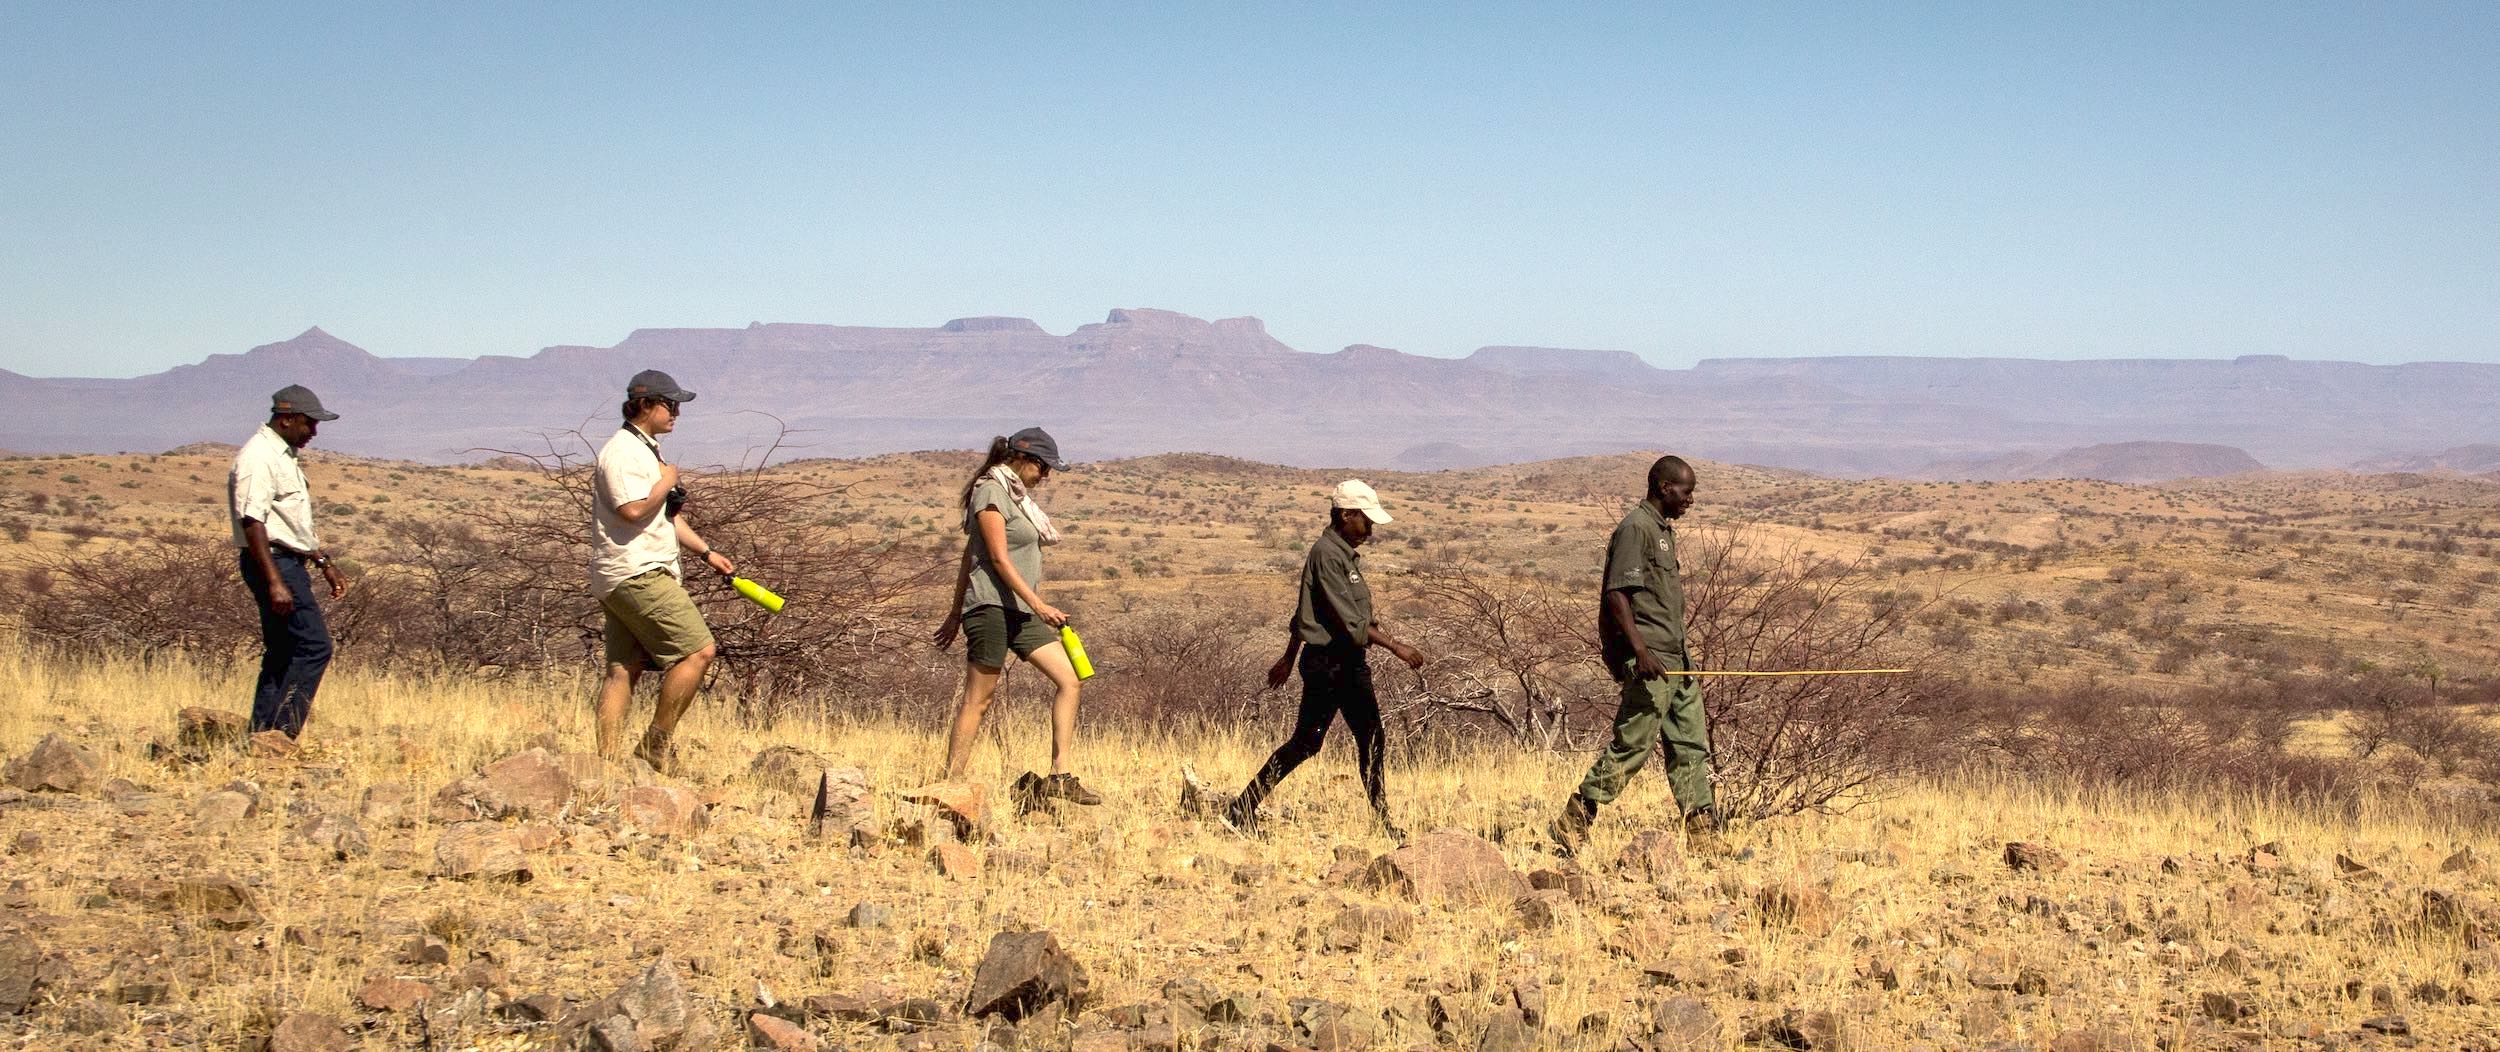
(1148, 329)
(993, 324)
(1366, 352)
(1558, 360)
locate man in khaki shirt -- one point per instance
(269, 504)
(636, 535)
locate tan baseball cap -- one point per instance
(1352, 493)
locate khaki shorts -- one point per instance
(652, 622)
(991, 631)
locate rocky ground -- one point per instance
(440, 865)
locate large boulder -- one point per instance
(309, 1032)
(1446, 864)
(1023, 973)
(55, 765)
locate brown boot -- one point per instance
(1570, 829)
(1704, 834)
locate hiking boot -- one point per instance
(1066, 787)
(1240, 819)
(653, 752)
(1704, 833)
(1391, 830)
(1570, 829)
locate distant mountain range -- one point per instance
(1148, 381)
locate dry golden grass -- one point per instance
(1142, 893)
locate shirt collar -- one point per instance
(283, 444)
(1331, 536)
(1663, 522)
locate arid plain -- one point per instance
(417, 876)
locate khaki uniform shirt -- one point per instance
(1336, 605)
(268, 486)
(622, 549)
(1024, 549)
(1641, 563)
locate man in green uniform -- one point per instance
(1641, 636)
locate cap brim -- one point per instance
(323, 415)
(1378, 516)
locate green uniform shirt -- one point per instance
(1024, 549)
(1336, 606)
(1640, 563)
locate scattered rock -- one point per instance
(1685, 1023)
(840, 813)
(658, 810)
(1802, 1031)
(424, 949)
(2464, 861)
(1654, 855)
(1506, 1030)
(533, 783)
(388, 993)
(653, 1010)
(1024, 972)
(273, 745)
(1382, 924)
(2390, 1025)
(787, 769)
(1798, 905)
(221, 811)
(481, 851)
(221, 900)
(2228, 1006)
(966, 804)
(1446, 864)
(1568, 878)
(2350, 868)
(535, 1008)
(55, 765)
(779, 1035)
(871, 915)
(1538, 910)
(2020, 856)
(20, 972)
(201, 729)
(954, 861)
(309, 1032)
(336, 835)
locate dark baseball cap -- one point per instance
(297, 398)
(652, 383)
(1036, 443)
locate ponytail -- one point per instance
(998, 455)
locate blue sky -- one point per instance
(2137, 180)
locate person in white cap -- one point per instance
(270, 506)
(1333, 625)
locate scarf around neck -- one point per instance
(1024, 503)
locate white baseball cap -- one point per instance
(1352, 493)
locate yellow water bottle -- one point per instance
(1076, 652)
(757, 593)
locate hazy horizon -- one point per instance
(1938, 180)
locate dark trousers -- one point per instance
(1334, 681)
(295, 649)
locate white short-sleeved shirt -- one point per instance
(268, 485)
(622, 549)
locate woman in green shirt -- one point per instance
(999, 607)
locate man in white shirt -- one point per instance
(634, 572)
(270, 507)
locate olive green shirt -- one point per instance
(1641, 563)
(1336, 605)
(1024, 550)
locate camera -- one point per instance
(675, 501)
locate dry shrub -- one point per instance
(1789, 744)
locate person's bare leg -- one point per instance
(677, 687)
(616, 692)
(1053, 662)
(980, 686)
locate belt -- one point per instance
(284, 552)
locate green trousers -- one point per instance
(1669, 705)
